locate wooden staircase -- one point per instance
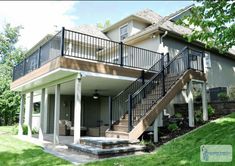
(150, 99)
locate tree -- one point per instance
(214, 22)
(105, 25)
(9, 56)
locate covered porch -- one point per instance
(68, 108)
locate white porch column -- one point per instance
(190, 104)
(45, 112)
(42, 121)
(21, 117)
(77, 110)
(155, 130)
(204, 102)
(56, 114)
(30, 112)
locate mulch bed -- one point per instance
(166, 135)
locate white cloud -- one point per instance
(37, 17)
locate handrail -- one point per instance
(138, 78)
(158, 73)
(183, 61)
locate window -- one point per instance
(207, 60)
(123, 32)
(36, 108)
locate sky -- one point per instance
(39, 18)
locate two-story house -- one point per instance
(115, 82)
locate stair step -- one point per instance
(123, 122)
(104, 153)
(117, 134)
(120, 127)
(104, 142)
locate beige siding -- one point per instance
(137, 26)
(222, 72)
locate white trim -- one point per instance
(88, 73)
(83, 73)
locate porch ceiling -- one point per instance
(105, 86)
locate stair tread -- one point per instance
(100, 151)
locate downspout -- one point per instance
(161, 39)
(162, 48)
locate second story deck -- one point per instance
(74, 46)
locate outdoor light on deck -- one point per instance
(95, 95)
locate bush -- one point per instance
(198, 116)
(148, 144)
(211, 110)
(173, 127)
(223, 96)
(15, 130)
(232, 93)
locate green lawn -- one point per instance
(15, 152)
(184, 150)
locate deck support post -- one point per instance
(30, 112)
(56, 115)
(155, 130)
(190, 104)
(77, 110)
(204, 102)
(160, 119)
(42, 117)
(21, 116)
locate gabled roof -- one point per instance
(147, 16)
(179, 12)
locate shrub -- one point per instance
(198, 116)
(173, 127)
(223, 96)
(15, 130)
(178, 115)
(211, 110)
(148, 144)
(232, 93)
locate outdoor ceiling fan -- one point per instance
(96, 95)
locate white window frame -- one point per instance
(120, 31)
(207, 59)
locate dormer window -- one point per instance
(124, 32)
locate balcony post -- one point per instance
(121, 54)
(24, 61)
(39, 57)
(202, 61)
(110, 113)
(129, 112)
(188, 59)
(163, 76)
(62, 42)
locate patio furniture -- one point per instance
(83, 131)
(64, 127)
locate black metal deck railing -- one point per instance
(69, 43)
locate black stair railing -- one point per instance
(118, 105)
(154, 89)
